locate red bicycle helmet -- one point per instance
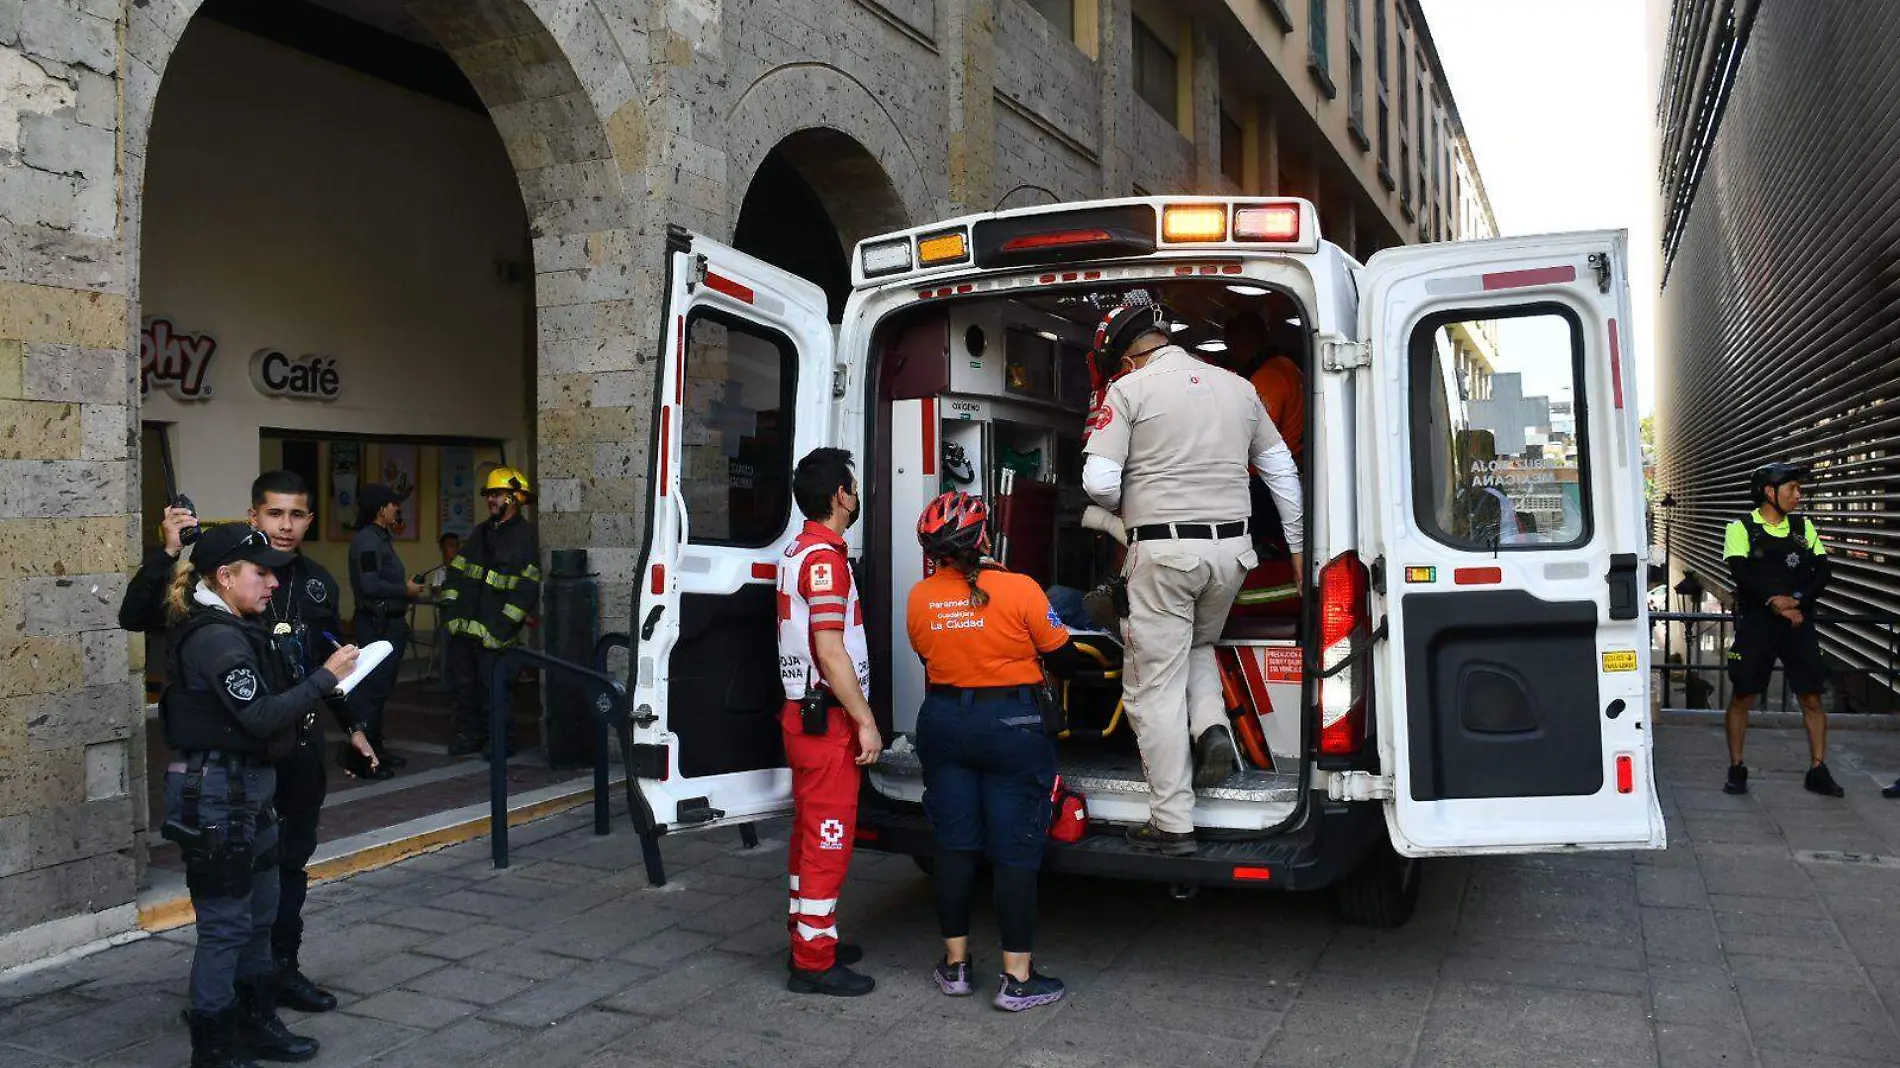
(953, 523)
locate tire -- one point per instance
(927, 865)
(1382, 891)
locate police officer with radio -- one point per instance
(230, 711)
(1780, 569)
(383, 591)
(1170, 448)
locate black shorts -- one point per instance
(1762, 639)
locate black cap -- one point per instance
(373, 498)
(227, 543)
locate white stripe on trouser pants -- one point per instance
(820, 909)
(1179, 594)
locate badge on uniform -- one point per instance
(280, 628)
(314, 589)
(241, 683)
(821, 578)
(1794, 561)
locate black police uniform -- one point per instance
(381, 589)
(1764, 565)
(231, 711)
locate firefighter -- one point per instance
(1169, 449)
(302, 611)
(1780, 569)
(230, 711)
(989, 763)
(825, 668)
(492, 589)
(383, 592)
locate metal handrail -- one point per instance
(608, 706)
(1869, 629)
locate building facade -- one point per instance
(1775, 329)
(396, 241)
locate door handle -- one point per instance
(1624, 603)
(653, 620)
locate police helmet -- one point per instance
(954, 523)
(1774, 475)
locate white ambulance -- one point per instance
(1463, 670)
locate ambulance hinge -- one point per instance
(1359, 786)
(698, 277)
(1340, 354)
(838, 375)
(1600, 263)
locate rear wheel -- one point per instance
(1382, 891)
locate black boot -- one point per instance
(261, 1033)
(1213, 757)
(214, 1040)
(464, 744)
(838, 982)
(296, 991)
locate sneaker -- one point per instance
(1213, 757)
(846, 953)
(1737, 779)
(953, 979)
(838, 982)
(1820, 782)
(1015, 995)
(1153, 839)
(1891, 791)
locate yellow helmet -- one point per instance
(507, 478)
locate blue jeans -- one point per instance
(988, 771)
(233, 932)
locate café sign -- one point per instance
(299, 378)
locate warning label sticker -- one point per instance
(1281, 663)
(1619, 660)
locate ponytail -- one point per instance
(178, 594)
(970, 562)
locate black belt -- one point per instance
(1020, 690)
(377, 608)
(1188, 531)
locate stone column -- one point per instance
(969, 48)
(1207, 104)
(1114, 61)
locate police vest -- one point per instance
(797, 668)
(1785, 563)
(196, 720)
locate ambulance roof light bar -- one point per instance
(1124, 228)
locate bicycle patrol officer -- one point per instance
(230, 710)
(989, 767)
(1170, 449)
(825, 661)
(1780, 569)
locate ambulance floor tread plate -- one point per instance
(1110, 773)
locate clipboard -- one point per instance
(366, 661)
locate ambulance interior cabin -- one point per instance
(988, 395)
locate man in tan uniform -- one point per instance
(1169, 449)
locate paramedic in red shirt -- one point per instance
(821, 647)
(989, 768)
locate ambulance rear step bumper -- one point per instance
(1330, 842)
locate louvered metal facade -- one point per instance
(1778, 333)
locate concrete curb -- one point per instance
(1836, 721)
(166, 903)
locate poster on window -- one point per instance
(346, 458)
(396, 468)
(456, 510)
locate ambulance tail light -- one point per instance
(1345, 625)
(1193, 223)
(949, 246)
(1268, 222)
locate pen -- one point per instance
(332, 639)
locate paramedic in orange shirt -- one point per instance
(822, 652)
(989, 768)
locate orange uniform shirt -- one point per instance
(995, 645)
(1282, 388)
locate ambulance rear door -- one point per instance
(744, 391)
(1505, 516)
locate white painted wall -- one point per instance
(295, 204)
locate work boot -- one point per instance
(953, 979)
(1213, 757)
(214, 1040)
(260, 1032)
(1737, 779)
(1152, 839)
(464, 744)
(1891, 791)
(1015, 995)
(1820, 782)
(837, 981)
(846, 953)
(296, 991)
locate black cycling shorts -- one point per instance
(1761, 640)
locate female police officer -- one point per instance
(988, 767)
(229, 711)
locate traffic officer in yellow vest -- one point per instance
(1169, 448)
(492, 589)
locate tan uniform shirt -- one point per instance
(1184, 432)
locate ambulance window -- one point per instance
(1499, 449)
(737, 431)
